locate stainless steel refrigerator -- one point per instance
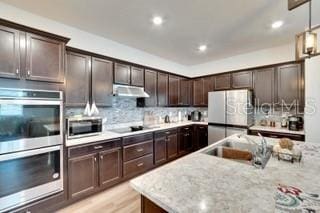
(229, 112)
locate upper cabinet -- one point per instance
(222, 82)
(241, 80)
(163, 86)
(27, 53)
(10, 53)
(290, 89)
(201, 88)
(45, 59)
(151, 88)
(185, 92)
(128, 75)
(137, 76)
(173, 90)
(88, 79)
(77, 79)
(264, 86)
(102, 79)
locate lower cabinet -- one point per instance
(165, 146)
(186, 140)
(93, 167)
(200, 136)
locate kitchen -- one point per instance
(101, 117)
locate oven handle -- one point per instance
(29, 102)
(28, 153)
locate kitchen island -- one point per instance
(204, 183)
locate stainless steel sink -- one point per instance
(251, 148)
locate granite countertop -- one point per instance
(202, 183)
(276, 129)
(108, 134)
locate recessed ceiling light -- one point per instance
(157, 20)
(202, 48)
(277, 24)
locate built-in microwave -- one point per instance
(83, 127)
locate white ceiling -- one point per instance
(229, 27)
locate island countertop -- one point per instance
(202, 183)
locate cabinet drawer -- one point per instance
(278, 135)
(136, 166)
(92, 148)
(164, 133)
(185, 129)
(137, 139)
(137, 150)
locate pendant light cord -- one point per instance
(310, 14)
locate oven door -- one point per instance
(29, 124)
(30, 175)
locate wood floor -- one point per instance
(119, 199)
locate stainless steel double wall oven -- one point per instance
(31, 146)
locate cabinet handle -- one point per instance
(140, 150)
(101, 157)
(95, 159)
(98, 147)
(28, 73)
(167, 133)
(140, 164)
(17, 71)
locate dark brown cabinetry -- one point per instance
(77, 79)
(128, 75)
(185, 92)
(242, 80)
(165, 146)
(151, 88)
(122, 74)
(264, 86)
(93, 167)
(173, 90)
(201, 88)
(137, 77)
(45, 59)
(222, 82)
(201, 136)
(10, 53)
(137, 154)
(102, 78)
(186, 142)
(163, 86)
(279, 135)
(290, 85)
(31, 54)
(88, 79)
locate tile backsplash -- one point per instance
(125, 111)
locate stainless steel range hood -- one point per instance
(129, 91)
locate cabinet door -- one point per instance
(222, 82)
(110, 167)
(172, 146)
(242, 80)
(208, 86)
(185, 141)
(163, 82)
(10, 53)
(82, 175)
(45, 59)
(289, 79)
(137, 76)
(160, 150)
(173, 90)
(263, 86)
(77, 79)
(201, 136)
(122, 74)
(184, 92)
(198, 92)
(150, 87)
(102, 80)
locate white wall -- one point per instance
(312, 84)
(253, 59)
(88, 41)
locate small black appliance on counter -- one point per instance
(295, 123)
(196, 115)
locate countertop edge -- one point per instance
(276, 130)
